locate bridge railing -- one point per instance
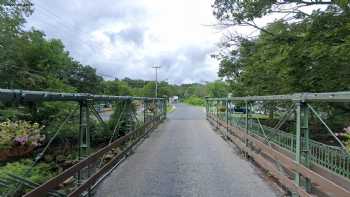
(240, 116)
(330, 157)
(134, 118)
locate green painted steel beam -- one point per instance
(330, 157)
(35, 96)
(302, 97)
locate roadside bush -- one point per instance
(126, 109)
(39, 174)
(193, 100)
(100, 134)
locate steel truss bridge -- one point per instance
(301, 165)
(91, 167)
(304, 166)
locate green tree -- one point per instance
(85, 79)
(312, 59)
(217, 89)
(164, 89)
(238, 12)
(12, 18)
(116, 87)
(305, 56)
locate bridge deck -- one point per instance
(184, 157)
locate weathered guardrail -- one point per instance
(305, 166)
(91, 168)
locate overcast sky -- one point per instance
(125, 38)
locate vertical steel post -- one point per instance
(165, 107)
(217, 114)
(154, 113)
(161, 111)
(84, 135)
(247, 128)
(226, 118)
(144, 115)
(302, 147)
(206, 107)
(158, 110)
(298, 142)
(209, 108)
(246, 123)
(304, 129)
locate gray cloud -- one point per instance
(187, 64)
(74, 21)
(134, 34)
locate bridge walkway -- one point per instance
(185, 157)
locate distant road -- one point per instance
(185, 157)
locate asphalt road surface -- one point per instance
(185, 157)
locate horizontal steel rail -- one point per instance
(9, 95)
(330, 157)
(321, 97)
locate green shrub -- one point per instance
(39, 174)
(193, 100)
(100, 134)
(126, 109)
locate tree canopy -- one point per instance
(288, 57)
(238, 12)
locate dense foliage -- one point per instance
(307, 52)
(306, 55)
(39, 173)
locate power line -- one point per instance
(92, 50)
(49, 11)
(67, 28)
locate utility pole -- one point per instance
(156, 67)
